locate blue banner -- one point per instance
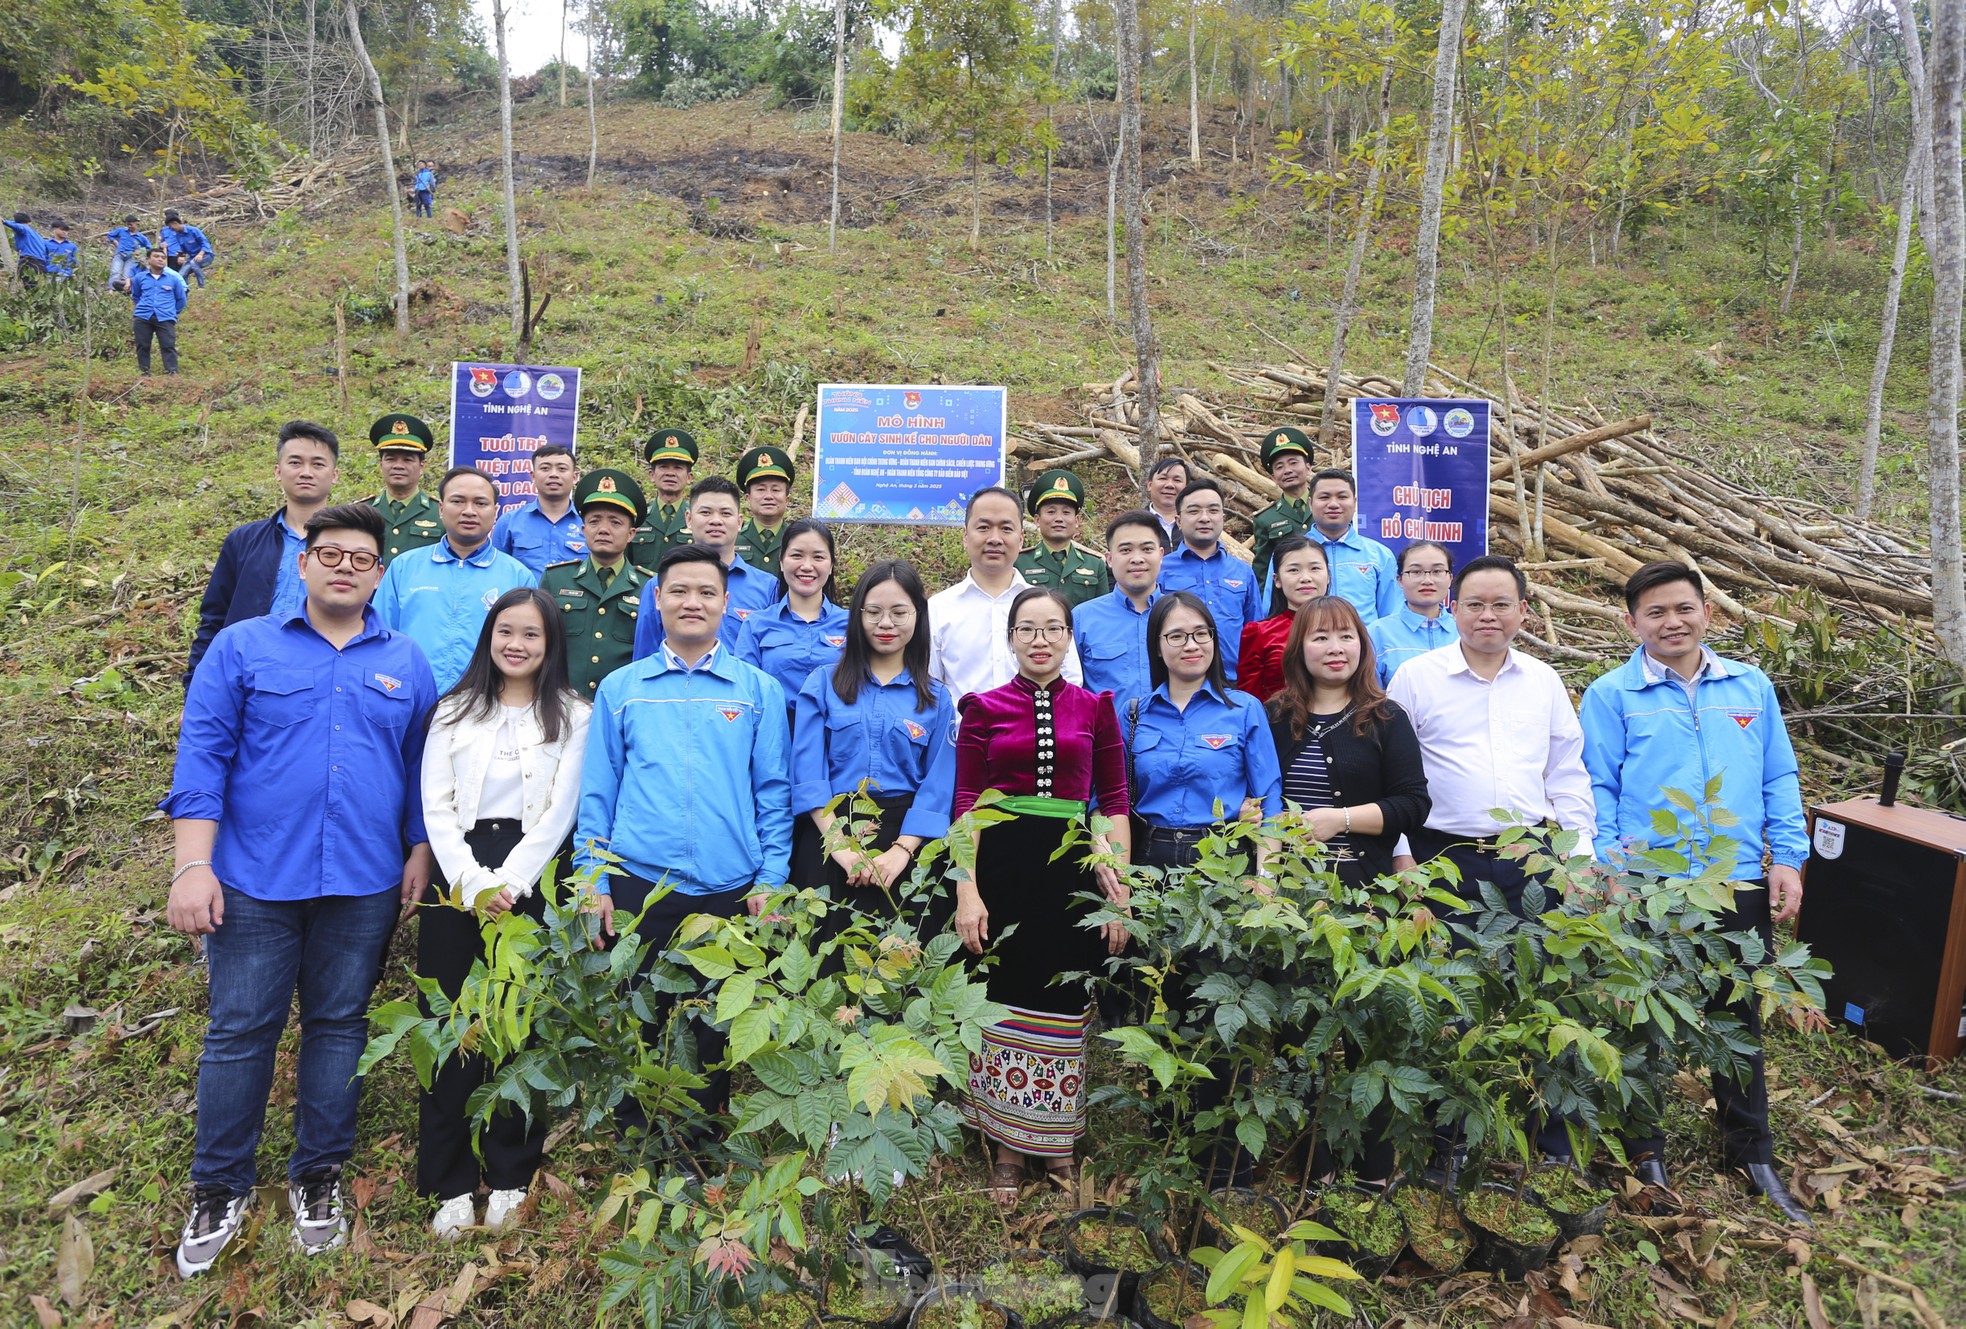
(501, 413)
(905, 453)
(1422, 466)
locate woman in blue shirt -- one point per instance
(1199, 749)
(878, 719)
(806, 629)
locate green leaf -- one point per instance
(1228, 1272)
(748, 1033)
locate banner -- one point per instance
(1422, 467)
(905, 453)
(501, 413)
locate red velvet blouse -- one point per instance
(1259, 668)
(1064, 744)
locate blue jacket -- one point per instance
(426, 180)
(127, 241)
(61, 258)
(1405, 634)
(159, 295)
(749, 590)
(439, 600)
(28, 242)
(1641, 736)
(242, 583)
(190, 240)
(687, 775)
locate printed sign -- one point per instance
(501, 413)
(905, 454)
(1422, 468)
(1829, 838)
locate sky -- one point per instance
(532, 34)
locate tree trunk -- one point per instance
(1921, 105)
(513, 278)
(1112, 221)
(1945, 244)
(307, 85)
(1795, 189)
(563, 52)
(1355, 269)
(975, 192)
(388, 169)
(1426, 246)
(1146, 357)
(1881, 368)
(1050, 91)
(839, 114)
(1194, 92)
(593, 114)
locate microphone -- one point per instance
(1894, 767)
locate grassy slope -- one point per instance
(659, 314)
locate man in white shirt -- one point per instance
(969, 624)
(1497, 731)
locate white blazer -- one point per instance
(455, 759)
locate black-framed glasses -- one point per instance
(1028, 633)
(330, 556)
(1199, 636)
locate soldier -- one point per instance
(671, 457)
(402, 443)
(598, 595)
(1058, 499)
(765, 476)
(1287, 457)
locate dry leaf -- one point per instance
(81, 1190)
(1812, 1304)
(76, 1261)
(1726, 1321)
(556, 1188)
(1909, 1217)
(367, 1312)
(463, 1288)
(47, 1315)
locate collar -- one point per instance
(1418, 621)
(1207, 689)
(738, 569)
(371, 623)
(673, 663)
(280, 524)
(540, 508)
(1126, 602)
(1460, 663)
(442, 552)
(1186, 550)
(1350, 537)
(1711, 666)
(1017, 583)
(620, 565)
(1026, 686)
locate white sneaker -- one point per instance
(216, 1218)
(453, 1216)
(320, 1223)
(502, 1211)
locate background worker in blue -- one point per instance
(807, 629)
(686, 780)
(876, 718)
(298, 820)
(600, 595)
(61, 253)
(30, 248)
(1676, 716)
(671, 458)
(1200, 564)
(1420, 624)
(157, 297)
(713, 520)
(545, 528)
(410, 516)
(425, 187)
(1362, 569)
(127, 247)
(439, 596)
(1112, 630)
(190, 252)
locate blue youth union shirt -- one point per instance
(1225, 584)
(884, 737)
(787, 647)
(749, 590)
(536, 540)
(1216, 751)
(441, 600)
(1112, 639)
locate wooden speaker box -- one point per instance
(1885, 903)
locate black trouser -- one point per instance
(165, 331)
(31, 271)
(449, 941)
(659, 926)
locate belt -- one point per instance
(1485, 844)
(1179, 835)
(498, 824)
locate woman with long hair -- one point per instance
(1050, 747)
(1300, 572)
(806, 629)
(501, 787)
(1351, 762)
(876, 718)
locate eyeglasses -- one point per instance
(891, 615)
(1199, 636)
(1027, 633)
(1480, 607)
(1424, 572)
(330, 556)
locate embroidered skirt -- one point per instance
(1027, 1086)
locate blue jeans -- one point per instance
(329, 950)
(194, 270)
(423, 199)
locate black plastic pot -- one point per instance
(1119, 1285)
(1008, 1282)
(1143, 1314)
(948, 1292)
(1214, 1234)
(1503, 1256)
(1367, 1264)
(1432, 1198)
(1570, 1226)
(899, 1291)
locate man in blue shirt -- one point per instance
(30, 248)
(298, 822)
(157, 297)
(439, 596)
(127, 247)
(1419, 625)
(1362, 569)
(425, 187)
(1200, 564)
(545, 529)
(714, 521)
(1675, 717)
(61, 253)
(1111, 631)
(258, 568)
(187, 247)
(687, 778)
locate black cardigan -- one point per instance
(1382, 766)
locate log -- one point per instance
(1563, 447)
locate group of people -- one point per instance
(411, 704)
(154, 276)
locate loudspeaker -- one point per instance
(1885, 903)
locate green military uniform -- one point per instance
(1287, 516)
(413, 523)
(598, 604)
(1076, 570)
(666, 526)
(756, 545)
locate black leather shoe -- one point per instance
(1652, 1172)
(1764, 1181)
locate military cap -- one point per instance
(670, 445)
(616, 488)
(1282, 441)
(401, 431)
(1057, 484)
(765, 463)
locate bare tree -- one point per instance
(1795, 189)
(593, 114)
(1945, 244)
(390, 181)
(564, 6)
(1146, 357)
(1194, 91)
(1355, 268)
(839, 113)
(514, 277)
(1426, 246)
